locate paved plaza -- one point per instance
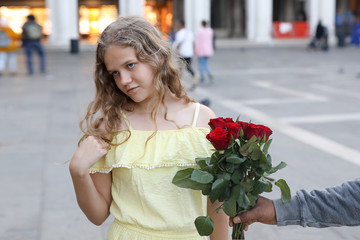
(310, 99)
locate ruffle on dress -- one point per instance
(167, 148)
(120, 231)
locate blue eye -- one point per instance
(131, 65)
(115, 73)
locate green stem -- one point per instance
(238, 231)
(216, 210)
(222, 159)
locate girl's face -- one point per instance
(133, 78)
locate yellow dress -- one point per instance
(146, 205)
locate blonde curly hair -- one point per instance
(103, 117)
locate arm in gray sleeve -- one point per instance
(334, 206)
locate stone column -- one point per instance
(195, 12)
(323, 10)
(63, 16)
(250, 21)
(131, 7)
(327, 13)
(259, 20)
(314, 17)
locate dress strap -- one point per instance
(196, 114)
(125, 118)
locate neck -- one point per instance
(148, 106)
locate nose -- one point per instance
(125, 77)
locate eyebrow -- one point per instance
(124, 63)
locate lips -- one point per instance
(130, 90)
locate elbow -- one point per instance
(97, 218)
(98, 221)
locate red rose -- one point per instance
(243, 125)
(260, 131)
(217, 122)
(228, 120)
(265, 132)
(219, 138)
(234, 129)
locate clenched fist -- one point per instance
(91, 149)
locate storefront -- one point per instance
(255, 20)
(59, 18)
(15, 12)
(352, 6)
(290, 19)
(93, 15)
(160, 13)
(228, 18)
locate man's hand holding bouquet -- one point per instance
(236, 173)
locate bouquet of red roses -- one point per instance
(236, 173)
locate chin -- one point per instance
(136, 100)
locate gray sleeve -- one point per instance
(334, 206)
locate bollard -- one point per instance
(74, 46)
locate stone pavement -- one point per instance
(310, 100)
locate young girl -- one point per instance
(140, 129)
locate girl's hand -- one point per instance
(91, 149)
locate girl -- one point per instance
(140, 129)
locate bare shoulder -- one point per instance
(101, 124)
(205, 114)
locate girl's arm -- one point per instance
(220, 219)
(93, 192)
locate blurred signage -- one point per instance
(290, 30)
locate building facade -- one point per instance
(255, 20)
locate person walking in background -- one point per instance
(349, 22)
(320, 41)
(321, 36)
(340, 28)
(203, 50)
(140, 129)
(184, 43)
(8, 48)
(31, 37)
(355, 34)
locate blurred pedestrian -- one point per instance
(203, 50)
(355, 35)
(184, 43)
(335, 206)
(320, 40)
(31, 37)
(349, 22)
(340, 28)
(172, 36)
(8, 48)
